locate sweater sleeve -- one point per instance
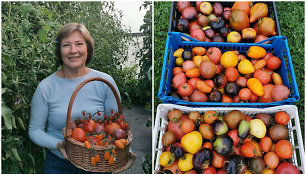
(110, 100)
(38, 121)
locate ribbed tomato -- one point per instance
(79, 134)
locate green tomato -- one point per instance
(185, 162)
(257, 128)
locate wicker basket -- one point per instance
(80, 156)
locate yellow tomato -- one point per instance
(257, 128)
(268, 171)
(256, 52)
(178, 52)
(185, 163)
(245, 67)
(255, 86)
(192, 142)
(166, 159)
(229, 59)
(179, 61)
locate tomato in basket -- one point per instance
(79, 134)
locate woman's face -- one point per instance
(74, 50)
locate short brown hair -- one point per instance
(65, 31)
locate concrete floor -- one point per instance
(137, 117)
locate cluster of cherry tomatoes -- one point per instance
(106, 131)
(209, 143)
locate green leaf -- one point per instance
(15, 154)
(7, 116)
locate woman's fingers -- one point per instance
(62, 149)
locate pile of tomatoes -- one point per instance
(210, 75)
(233, 143)
(107, 131)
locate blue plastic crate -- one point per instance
(277, 45)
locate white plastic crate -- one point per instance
(295, 135)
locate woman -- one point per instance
(74, 49)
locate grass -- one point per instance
(291, 26)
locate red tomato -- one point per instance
(286, 168)
(253, 98)
(79, 134)
(283, 149)
(210, 170)
(248, 118)
(268, 55)
(231, 74)
(248, 150)
(273, 63)
(214, 54)
(175, 128)
(218, 160)
(245, 94)
(263, 76)
(110, 127)
(191, 172)
(234, 135)
(192, 82)
(282, 118)
(210, 83)
(89, 126)
(241, 81)
(185, 90)
(221, 171)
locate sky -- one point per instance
(132, 17)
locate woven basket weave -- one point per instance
(80, 156)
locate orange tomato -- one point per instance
(231, 74)
(123, 141)
(177, 70)
(97, 158)
(283, 149)
(258, 151)
(282, 117)
(265, 144)
(208, 145)
(111, 160)
(93, 161)
(210, 117)
(192, 73)
(218, 160)
(271, 160)
(260, 64)
(203, 87)
(226, 99)
(198, 51)
(277, 79)
(106, 155)
(119, 144)
(187, 126)
(87, 145)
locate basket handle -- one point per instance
(68, 131)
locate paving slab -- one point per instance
(137, 118)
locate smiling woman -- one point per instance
(74, 49)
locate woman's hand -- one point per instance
(61, 147)
(131, 160)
